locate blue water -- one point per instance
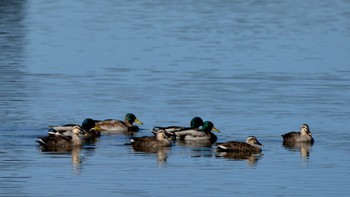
(258, 68)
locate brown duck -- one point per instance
(160, 140)
(61, 142)
(303, 136)
(250, 146)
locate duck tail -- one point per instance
(221, 147)
(40, 141)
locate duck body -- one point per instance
(195, 123)
(117, 126)
(151, 142)
(66, 129)
(251, 146)
(304, 136)
(198, 135)
(61, 142)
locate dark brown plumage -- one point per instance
(160, 140)
(61, 142)
(251, 146)
(303, 136)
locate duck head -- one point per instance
(305, 130)
(77, 130)
(196, 122)
(252, 140)
(209, 126)
(161, 134)
(88, 124)
(132, 118)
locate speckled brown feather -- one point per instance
(242, 147)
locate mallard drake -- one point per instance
(198, 135)
(251, 146)
(303, 136)
(160, 140)
(61, 142)
(195, 123)
(66, 129)
(120, 126)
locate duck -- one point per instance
(250, 146)
(151, 142)
(112, 126)
(203, 134)
(66, 129)
(195, 123)
(61, 142)
(303, 136)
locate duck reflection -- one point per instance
(251, 159)
(76, 159)
(75, 153)
(161, 152)
(193, 144)
(303, 147)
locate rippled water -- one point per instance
(252, 67)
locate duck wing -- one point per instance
(233, 146)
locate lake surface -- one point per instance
(258, 68)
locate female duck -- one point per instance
(160, 140)
(303, 136)
(61, 142)
(120, 126)
(250, 146)
(196, 122)
(198, 135)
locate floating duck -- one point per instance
(151, 142)
(303, 136)
(198, 135)
(120, 126)
(66, 129)
(61, 142)
(250, 146)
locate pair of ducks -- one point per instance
(64, 137)
(253, 146)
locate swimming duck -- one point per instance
(66, 129)
(250, 146)
(61, 142)
(198, 135)
(196, 122)
(120, 126)
(303, 136)
(160, 140)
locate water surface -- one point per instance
(250, 67)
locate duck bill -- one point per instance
(138, 122)
(98, 128)
(215, 129)
(258, 143)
